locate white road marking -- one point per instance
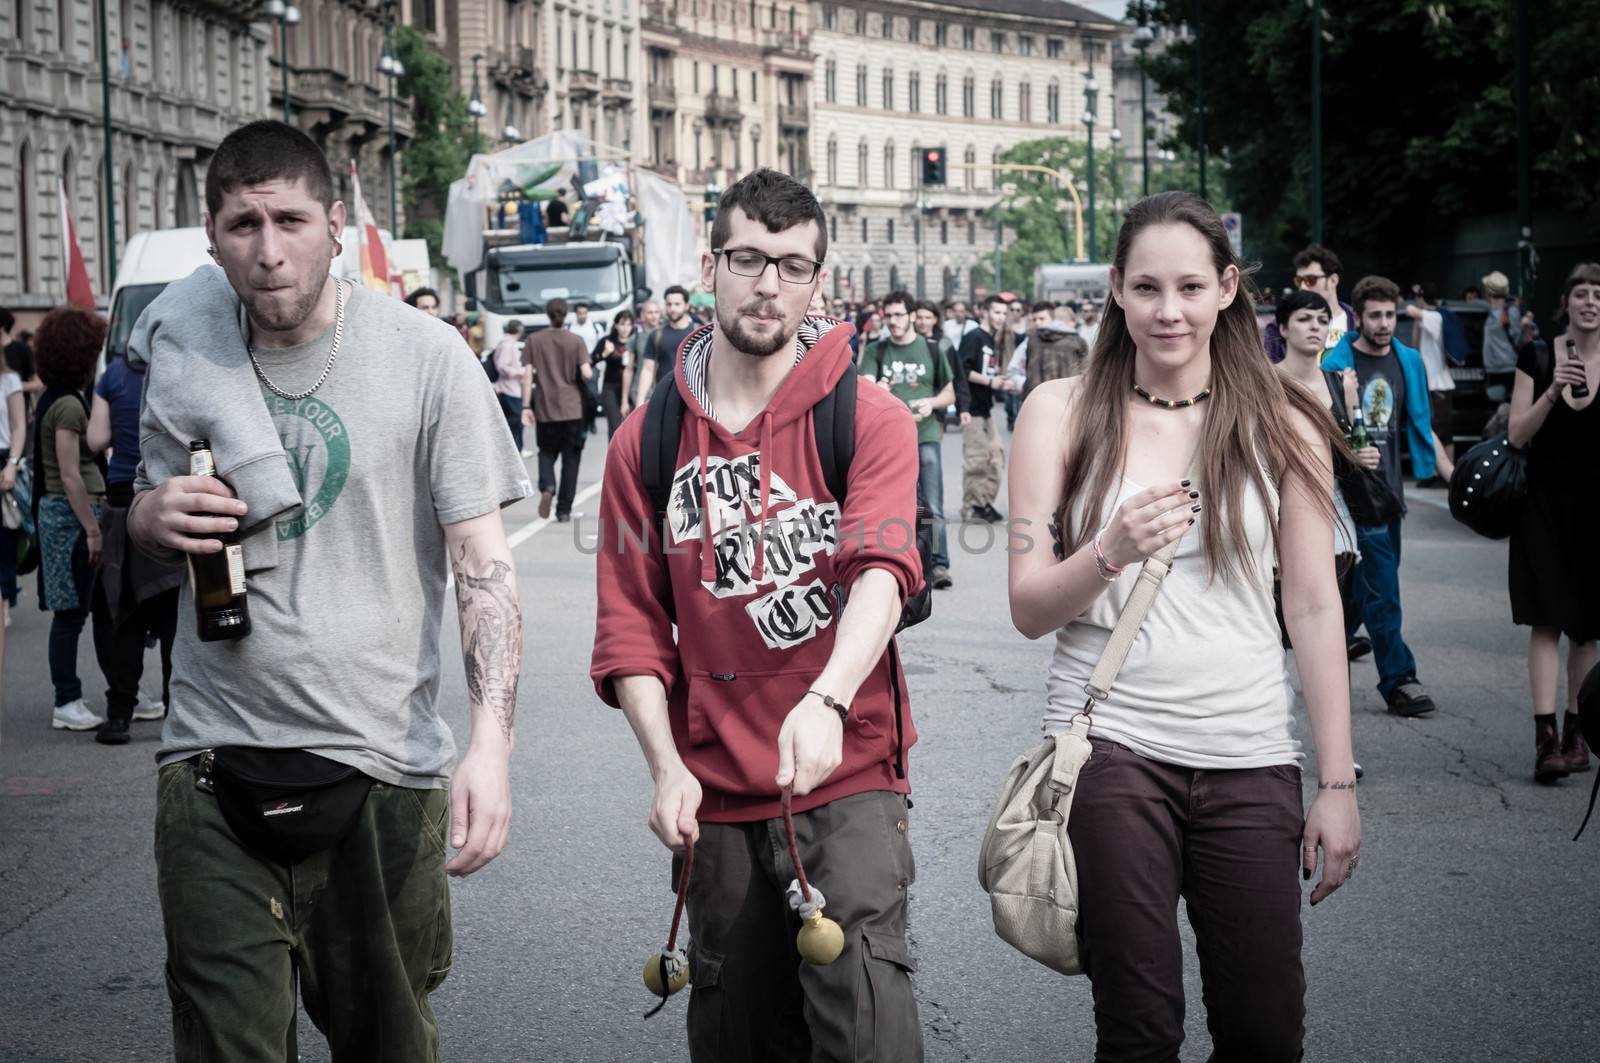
(534, 527)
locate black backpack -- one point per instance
(834, 421)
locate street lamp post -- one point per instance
(476, 108)
(1142, 38)
(1199, 99)
(390, 66)
(105, 120)
(1316, 121)
(1115, 136)
(287, 15)
(1091, 95)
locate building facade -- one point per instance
(728, 85)
(549, 64)
(337, 92)
(182, 76)
(895, 76)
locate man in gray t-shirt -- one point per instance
(396, 445)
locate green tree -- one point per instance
(441, 137)
(1419, 124)
(1042, 213)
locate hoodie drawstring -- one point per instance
(760, 568)
(708, 565)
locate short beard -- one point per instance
(272, 319)
(746, 343)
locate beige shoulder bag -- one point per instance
(1026, 864)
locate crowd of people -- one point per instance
(759, 670)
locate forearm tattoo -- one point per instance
(491, 633)
(1339, 784)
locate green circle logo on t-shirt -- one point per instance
(318, 448)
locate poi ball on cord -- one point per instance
(820, 940)
(676, 965)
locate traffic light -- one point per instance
(712, 197)
(932, 167)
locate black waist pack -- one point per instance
(286, 804)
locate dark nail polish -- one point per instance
(1305, 874)
(1191, 520)
(1195, 508)
(1186, 483)
(1194, 494)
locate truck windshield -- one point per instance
(130, 303)
(524, 287)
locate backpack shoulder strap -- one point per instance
(658, 445)
(834, 421)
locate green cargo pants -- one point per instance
(364, 928)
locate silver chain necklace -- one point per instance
(338, 334)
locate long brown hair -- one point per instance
(1248, 416)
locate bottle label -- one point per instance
(235, 554)
(201, 463)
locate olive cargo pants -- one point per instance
(753, 998)
(363, 927)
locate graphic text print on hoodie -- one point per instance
(756, 628)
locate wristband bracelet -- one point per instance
(1102, 564)
(837, 706)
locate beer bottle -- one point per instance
(1579, 391)
(217, 580)
(1359, 440)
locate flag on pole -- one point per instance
(79, 292)
(374, 255)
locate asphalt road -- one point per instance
(1469, 934)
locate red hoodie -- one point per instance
(756, 628)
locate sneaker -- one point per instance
(545, 499)
(74, 716)
(1548, 762)
(990, 514)
(527, 453)
(1409, 699)
(1359, 771)
(112, 733)
(1573, 747)
(941, 579)
(149, 708)
(1358, 647)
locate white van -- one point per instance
(155, 258)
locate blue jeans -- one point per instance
(67, 624)
(930, 496)
(512, 408)
(1378, 588)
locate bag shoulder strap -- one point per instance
(834, 421)
(658, 444)
(1151, 573)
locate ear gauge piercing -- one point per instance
(212, 251)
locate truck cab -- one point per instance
(516, 281)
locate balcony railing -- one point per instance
(619, 88)
(720, 108)
(583, 82)
(794, 115)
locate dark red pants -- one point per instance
(1227, 842)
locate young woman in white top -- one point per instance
(1181, 430)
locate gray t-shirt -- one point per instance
(343, 657)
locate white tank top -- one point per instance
(1206, 684)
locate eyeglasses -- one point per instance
(747, 263)
(1308, 280)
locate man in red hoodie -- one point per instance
(782, 673)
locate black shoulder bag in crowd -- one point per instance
(1491, 479)
(286, 804)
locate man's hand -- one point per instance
(1369, 457)
(672, 812)
(810, 745)
(527, 417)
(8, 477)
(480, 804)
(183, 511)
(965, 419)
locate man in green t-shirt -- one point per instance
(909, 366)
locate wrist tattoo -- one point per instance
(1337, 784)
(491, 633)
